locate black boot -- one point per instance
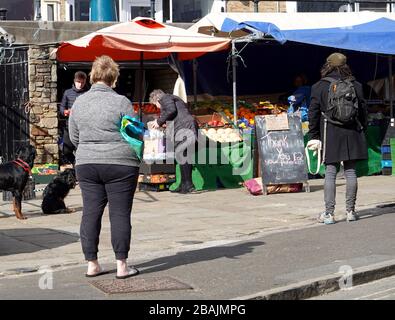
(186, 179)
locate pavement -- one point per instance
(225, 244)
(383, 289)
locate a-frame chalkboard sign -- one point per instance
(281, 150)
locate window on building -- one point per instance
(37, 10)
(71, 12)
(166, 10)
(186, 10)
(140, 11)
(82, 10)
(373, 6)
(318, 6)
(50, 12)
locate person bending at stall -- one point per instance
(175, 112)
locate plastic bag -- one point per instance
(132, 130)
(254, 186)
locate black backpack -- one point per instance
(342, 108)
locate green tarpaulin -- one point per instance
(365, 167)
(240, 163)
(234, 166)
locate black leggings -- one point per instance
(101, 184)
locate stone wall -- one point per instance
(248, 6)
(43, 102)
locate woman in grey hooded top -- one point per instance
(106, 166)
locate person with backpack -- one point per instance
(337, 124)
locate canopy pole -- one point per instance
(194, 68)
(141, 85)
(390, 91)
(234, 65)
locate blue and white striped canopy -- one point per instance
(362, 31)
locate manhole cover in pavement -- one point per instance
(132, 285)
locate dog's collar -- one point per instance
(23, 165)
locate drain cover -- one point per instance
(132, 285)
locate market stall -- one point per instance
(139, 40)
(226, 153)
(362, 34)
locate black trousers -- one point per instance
(68, 147)
(101, 184)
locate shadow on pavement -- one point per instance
(36, 214)
(378, 211)
(195, 256)
(29, 240)
(321, 187)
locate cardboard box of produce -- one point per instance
(212, 120)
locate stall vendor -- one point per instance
(300, 98)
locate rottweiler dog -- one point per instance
(56, 191)
(15, 174)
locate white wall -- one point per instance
(291, 6)
(215, 6)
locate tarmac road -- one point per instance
(238, 269)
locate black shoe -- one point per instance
(188, 190)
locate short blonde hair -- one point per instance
(104, 69)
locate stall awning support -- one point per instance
(194, 68)
(236, 54)
(234, 84)
(141, 85)
(391, 90)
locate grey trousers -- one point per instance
(330, 186)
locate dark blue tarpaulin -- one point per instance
(364, 31)
(377, 36)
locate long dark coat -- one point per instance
(176, 110)
(342, 143)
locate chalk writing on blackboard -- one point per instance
(281, 152)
